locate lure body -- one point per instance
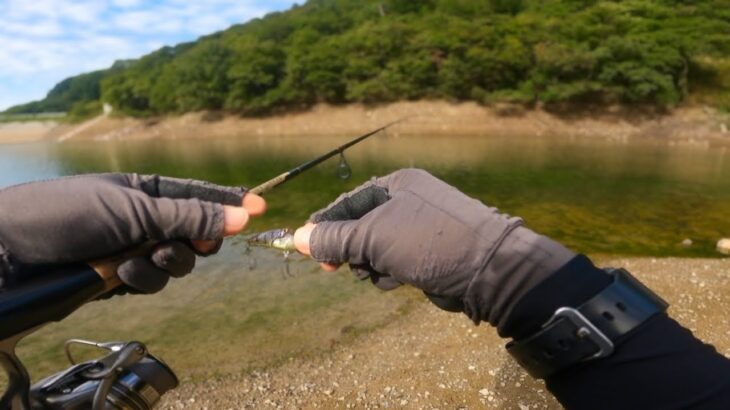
(282, 239)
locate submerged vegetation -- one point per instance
(658, 52)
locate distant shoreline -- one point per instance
(691, 123)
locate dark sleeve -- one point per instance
(660, 365)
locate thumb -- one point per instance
(301, 241)
(235, 220)
(336, 242)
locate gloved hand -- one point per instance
(410, 227)
(87, 217)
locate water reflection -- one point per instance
(26, 162)
(641, 197)
(596, 196)
(575, 190)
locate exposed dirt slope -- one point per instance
(426, 118)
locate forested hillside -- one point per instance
(84, 87)
(338, 51)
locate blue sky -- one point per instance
(44, 41)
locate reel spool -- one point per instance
(127, 378)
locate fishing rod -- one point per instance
(288, 175)
(128, 376)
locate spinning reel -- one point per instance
(127, 377)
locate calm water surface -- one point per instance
(243, 309)
(639, 198)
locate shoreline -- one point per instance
(690, 124)
(429, 359)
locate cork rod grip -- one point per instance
(268, 185)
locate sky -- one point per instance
(44, 41)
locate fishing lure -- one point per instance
(282, 239)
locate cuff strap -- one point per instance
(591, 331)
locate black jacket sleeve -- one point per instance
(660, 365)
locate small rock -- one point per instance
(484, 392)
(723, 246)
(687, 242)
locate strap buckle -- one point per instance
(585, 330)
(589, 332)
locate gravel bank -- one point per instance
(430, 359)
(696, 125)
(27, 131)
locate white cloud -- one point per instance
(126, 3)
(47, 28)
(141, 22)
(45, 41)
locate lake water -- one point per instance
(640, 198)
(244, 309)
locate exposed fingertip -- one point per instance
(254, 204)
(235, 219)
(328, 267)
(204, 246)
(301, 238)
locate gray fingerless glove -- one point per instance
(410, 227)
(87, 217)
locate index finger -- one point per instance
(354, 204)
(370, 195)
(178, 188)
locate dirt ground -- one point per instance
(693, 123)
(429, 359)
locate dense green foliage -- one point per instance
(79, 89)
(339, 51)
